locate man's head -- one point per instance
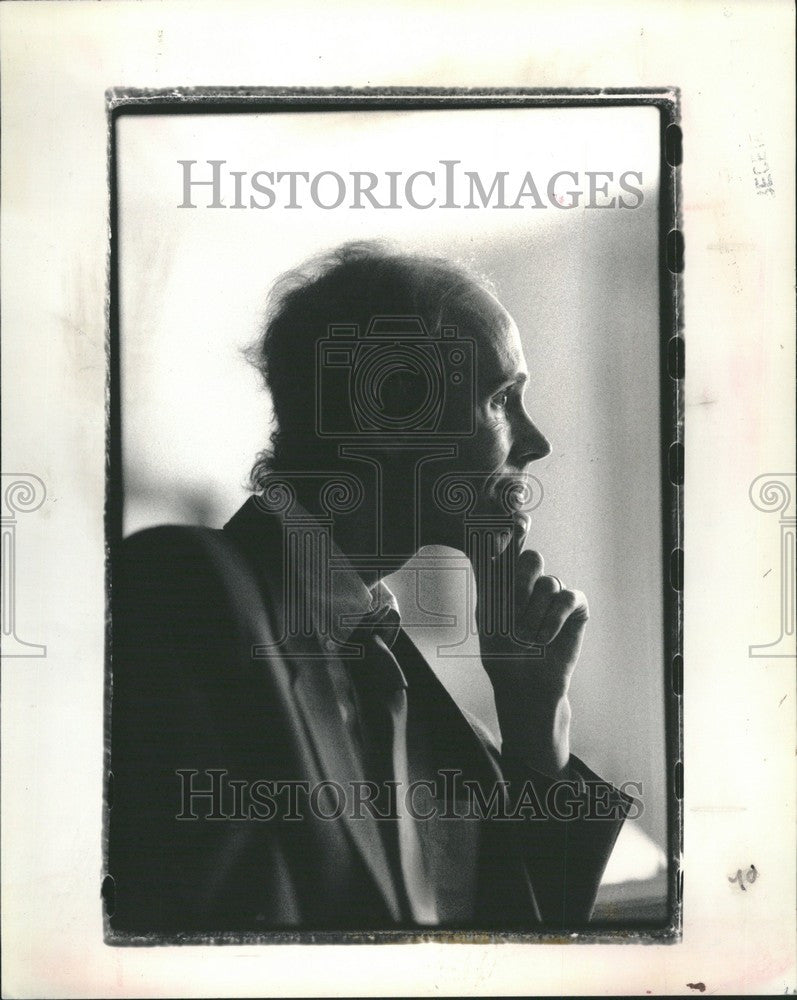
(365, 347)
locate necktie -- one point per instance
(382, 692)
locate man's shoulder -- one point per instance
(169, 537)
(186, 565)
(169, 555)
(246, 541)
(195, 591)
(172, 541)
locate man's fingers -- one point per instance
(520, 530)
(528, 570)
(564, 608)
(532, 612)
(541, 604)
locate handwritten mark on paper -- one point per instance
(740, 878)
(762, 175)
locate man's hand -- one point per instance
(530, 665)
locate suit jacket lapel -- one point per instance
(337, 761)
(446, 717)
(259, 536)
(504, 888)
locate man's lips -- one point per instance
(513, 492)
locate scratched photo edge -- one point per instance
(132, 101)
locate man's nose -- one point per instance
(530, 443)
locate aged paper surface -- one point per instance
(737, 199)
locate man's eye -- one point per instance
(502, 398)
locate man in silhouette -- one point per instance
(282, 754)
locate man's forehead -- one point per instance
(499, 350)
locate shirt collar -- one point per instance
(346, 601)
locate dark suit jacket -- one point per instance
(189, 606)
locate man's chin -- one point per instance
(509, 524)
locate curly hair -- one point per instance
(348, 285)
